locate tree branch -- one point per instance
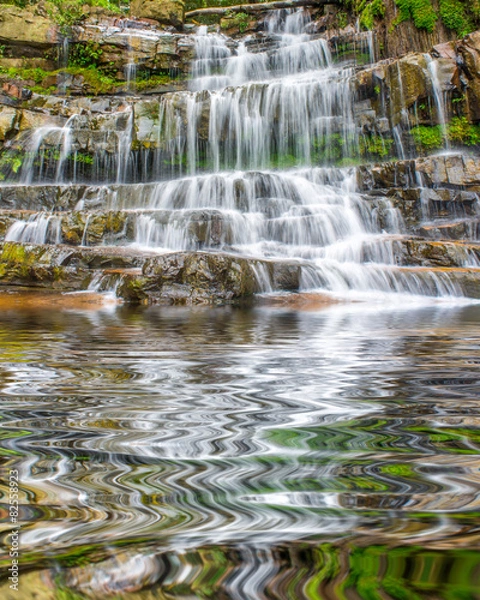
(255, 8)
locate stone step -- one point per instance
(191, 230)
(417, 204)
(215, 278)
(462, 229)
(453, 171)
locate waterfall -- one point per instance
(247, 162)
(438, 96)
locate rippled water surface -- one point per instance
(263, 452)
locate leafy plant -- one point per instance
(460, 130)
(240, 20)
(85, 55)
(428, 138)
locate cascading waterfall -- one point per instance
(243, 145)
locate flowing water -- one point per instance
(253, 453)
(237, 158)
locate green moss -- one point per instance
(369, 11)
(69, 12)
(85, 55)
(454, 16)
(376, 146)
(420, 11)
(342, 19)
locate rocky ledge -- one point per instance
(141, 277)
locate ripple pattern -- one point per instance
(250, 453)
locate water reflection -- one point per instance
(252, 437)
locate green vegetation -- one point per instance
(44, 81)
(194, 4)
(369, 11)
(239, 20)
(375, 146)
(420, 11)
(459, 132)
(454, 17)
(85, 55)
(67, 12)
(366, 10)
(428, 138)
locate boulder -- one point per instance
(190, 278)
(166, 12)
(32, 34)
(8, 120)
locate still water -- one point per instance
(243, 453)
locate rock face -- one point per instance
(167, 12)
(398, 39)
(29, 34)
(184, 278)
(469, 50)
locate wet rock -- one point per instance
(147, 122)
(92, 228)
(457, 230)
(16, 91)
(456, 170)
(445, 50)
(285, 276)
(39, 266)
(440, 254)
(30, 120)
(407, 82)
(53, 197)
(385, 175)
(431, 171)
(66, 268)
(195, 278)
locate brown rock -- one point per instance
(167, 12)
(18, 26)
(469, 50)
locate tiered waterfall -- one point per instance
(247, 162)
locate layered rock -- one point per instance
(141, 277)
(27, 34)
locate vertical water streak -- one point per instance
(438, 96)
